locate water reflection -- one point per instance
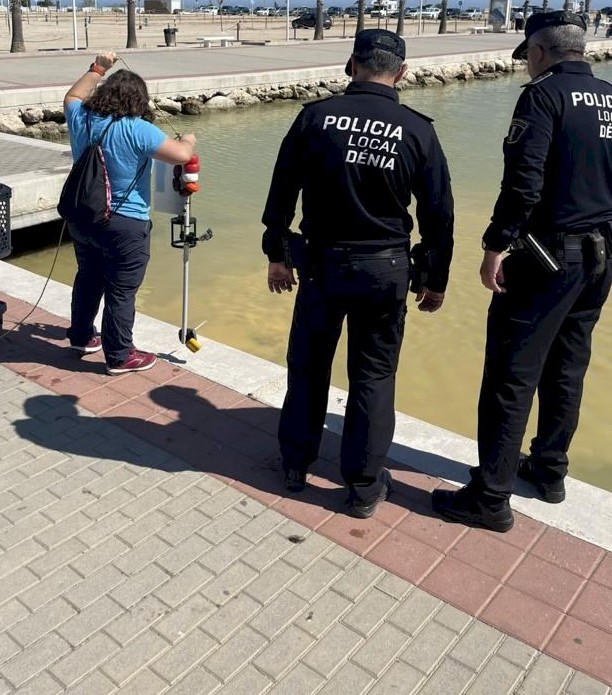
(442, 356)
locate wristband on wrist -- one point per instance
(98, 69)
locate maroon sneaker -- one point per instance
(137, 361)
(94, 345)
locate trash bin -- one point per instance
(170, 36)
(5, 220)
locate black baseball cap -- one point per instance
(369, 39)
(540, 20)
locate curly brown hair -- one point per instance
(124, 93)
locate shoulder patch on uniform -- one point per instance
(419, 114)
(517, 128)
(538, 79)
(317, 101)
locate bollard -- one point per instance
(238, 31)
(86, 34)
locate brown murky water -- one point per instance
(441, 362)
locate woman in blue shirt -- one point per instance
(112, 256)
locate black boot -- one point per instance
(295, 480)
(466, 506)
(551, 491)
(364, 510)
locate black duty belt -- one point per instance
(365, 250)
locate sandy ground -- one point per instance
(108, 30)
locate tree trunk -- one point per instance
(567, 5)
(132, 41)
(360, 16)
(443, 8)
(318, 35)
(400, 18)
(544, 5)
(17, 41)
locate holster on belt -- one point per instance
(594, 251)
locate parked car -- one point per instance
(411, 12)
(335, 11)
(241, 9)
(431, 13)
(472, 13)
(453, 12)
(352, 11)
(378, 12)
(209, 10)
(308, 21)
(262, 11)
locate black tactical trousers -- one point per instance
(538, 337)
(370, 291)
(111, 262)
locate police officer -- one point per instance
(555, 212)
(357, 158)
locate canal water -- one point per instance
(441, 363)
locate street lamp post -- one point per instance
(74, 25)
(287, 23)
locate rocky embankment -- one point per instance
(48, 122)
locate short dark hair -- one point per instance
(379, 62)
(124, 93)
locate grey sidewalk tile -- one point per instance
(198, 682)
(369, 612)
(271, 581)
(30, 663)
(60, 555)
(334, 649)
(418, 609)
(210, 485)
(476, 645)
(143, 504)
(145, 481)
(13, 535)
(24, 508)
(109, 481)
(84, 659)
(185, 501)
(220, 502)
(176, 530)
(179, 621)
(300, 681)
(260, 526)
(19, 555)
(49, 588)
(449, 678)
(94, 559)
(180, 587)
(5, 688)
(498, 676)
(350, 680)
(44, 684)
(281, 654)
(179, 482)
(173, 560)
(248, 682)
(429, 647)
(232, 655)
(8, 647)
(251, 507)
(453, 618)
(275, 617)
(314, 580)
(362, 576)
(147, 525)
(323, 613)
(95, 684)
(73, 489)
(400, 679)
(303, 554)
(517, 652)
(136, 655)
(394, 586)
(139, 558)
(219, 557)
(231, 617)
(96, 585)
(224, 586)
(63, 529)
(545, 676)
(145, 683)
(267, 551)
(581, 684)
(223, 525)
(11, 478)
(36, 483)
(12, 612)
(183, 656)
(137, 620)
(7, 500)
(42, 622)
(89, 621)
(104, 529)
(109, 503)
(380, 649)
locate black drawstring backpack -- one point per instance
(86, 195)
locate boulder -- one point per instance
(12, 124)
(192, 106)
(55, 114)
(169, 106)
(32, 115)
(220, 103)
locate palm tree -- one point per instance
(132, 41)
(443, 8)
(17, 41)
(360, 15)
(318, 35)
(400, 18)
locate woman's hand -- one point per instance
(106, 60)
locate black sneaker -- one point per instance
(295, 480)
(361, 510)
(551, 492)
(464, 507)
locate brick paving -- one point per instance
(147, 547)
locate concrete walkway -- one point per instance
(148, 546)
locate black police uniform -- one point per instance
(557, 184)
(357, 158)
